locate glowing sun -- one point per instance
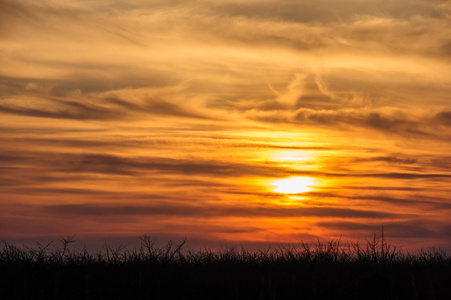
(293, 185)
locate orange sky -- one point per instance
(226, 121)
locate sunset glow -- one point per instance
(206, 119)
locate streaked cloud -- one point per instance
(179, 116)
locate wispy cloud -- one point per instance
(414, 229)
(163, 113)
(195, 211)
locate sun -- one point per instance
(293, 185)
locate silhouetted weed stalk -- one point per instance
(374, 251)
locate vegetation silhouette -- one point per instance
(319, 270)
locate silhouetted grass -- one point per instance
(322, 270)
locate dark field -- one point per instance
(323, 270)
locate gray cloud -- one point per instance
(321, 11)
(130, 166)
(84, 110)
(400, 229)
(399, 123)
(393, 159)
(417, 200)
(443, 118)
(172, 209)
(373, 120)
(63, 109)
(152, 141)
(157, 106)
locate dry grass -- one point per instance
(375, 269)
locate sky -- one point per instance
(226, 121)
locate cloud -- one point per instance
(394, 159)
(443, 118)
(104, 101)
(417, 200)
(133, 166)
(424, 229)
(209, 211)
(159, 107)
(144, 142)
(397, 122)
(242, 50)
(38, 102)
(63, 109)
(367, 119)
(384, 188)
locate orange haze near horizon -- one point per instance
(226, 121)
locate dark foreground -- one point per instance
(324, 270)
